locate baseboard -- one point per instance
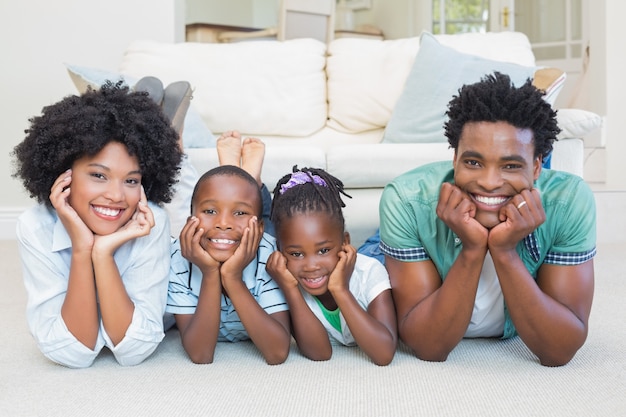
(8, 221)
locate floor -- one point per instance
(611, 222)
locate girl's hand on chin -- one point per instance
(340, 277)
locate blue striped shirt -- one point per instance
(184, 289)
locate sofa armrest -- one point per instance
(568, 155)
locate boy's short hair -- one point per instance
(79, 126)
(231, 171)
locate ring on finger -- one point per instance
(522, 204)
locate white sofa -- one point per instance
(323, 107)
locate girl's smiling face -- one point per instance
(311, 243)
(493, 163)
(106, 188)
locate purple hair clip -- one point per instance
(299, 177)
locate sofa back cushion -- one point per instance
(367, 77)
(257, 87)
(438, 73)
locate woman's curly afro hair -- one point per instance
(79, 126)
(496, 99)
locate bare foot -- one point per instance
(252, 154)
(229, 148)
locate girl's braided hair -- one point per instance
(307, 190)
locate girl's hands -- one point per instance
(81, 236)
(340, 277)
(277, 268)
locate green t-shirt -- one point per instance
(410, 230)
(332, 316)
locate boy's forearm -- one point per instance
(200, 336)
(268, 335)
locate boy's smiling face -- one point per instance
(106, 188)
(492, 163)
(224, 205)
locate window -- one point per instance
(460, 16)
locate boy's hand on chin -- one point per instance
(191, 249)
(245, 252)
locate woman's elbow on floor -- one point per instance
(76, 363)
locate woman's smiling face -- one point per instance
(494, 162)
(106, 188)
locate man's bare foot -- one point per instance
(229, 148)
(252, 154)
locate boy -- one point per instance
(219, 289)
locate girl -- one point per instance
(95, 250)
(332, 292)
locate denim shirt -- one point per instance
(143, 264)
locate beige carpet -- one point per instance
(481, 377)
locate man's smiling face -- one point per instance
(492, 163)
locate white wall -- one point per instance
(614, 71)
(38, 36)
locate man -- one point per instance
(490, 245)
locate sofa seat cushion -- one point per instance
(324, 139)
(375, 165)
(278, 161)
(261, 87)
